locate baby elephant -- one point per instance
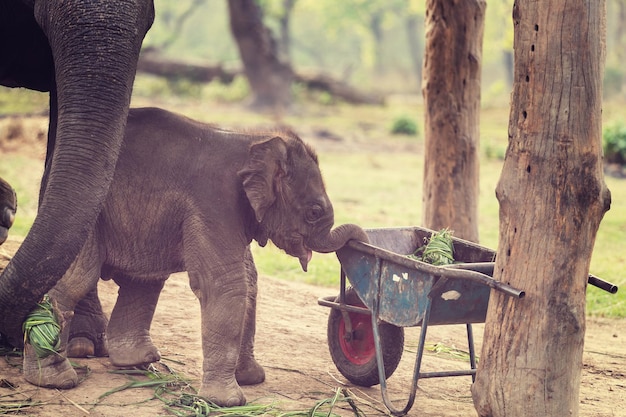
(188, 196)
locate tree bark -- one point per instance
(270, 79)
(552, 198)
(454, 34)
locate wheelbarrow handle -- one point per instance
(487, 268)
(602, 284)
(450, 271)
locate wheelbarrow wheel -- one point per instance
(354, 353)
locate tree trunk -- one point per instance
(454, 34)
(269, 78)
(552, 197)
(285, 33)
(507, 60)
(620, 41)
(376, 27)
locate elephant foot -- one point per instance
(133, 353)
(249, 372)
(86, 345)
(53, 371)
(223, 395)
(87, 334)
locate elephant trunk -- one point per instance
(337, 238)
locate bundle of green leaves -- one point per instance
(42, 330)
(438, 250)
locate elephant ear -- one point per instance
(263, 174)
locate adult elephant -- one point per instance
(85, 54)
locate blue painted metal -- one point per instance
(400, 287)
(403, 294)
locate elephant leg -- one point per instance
(55, 371)
(249, 371)
(128, 332)
(222, 296)
(88, 330)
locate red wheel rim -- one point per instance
(359, 347)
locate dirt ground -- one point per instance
(291, 345)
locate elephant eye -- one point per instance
(314, 213)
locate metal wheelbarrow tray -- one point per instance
(389, 291)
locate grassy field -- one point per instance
(374, 179)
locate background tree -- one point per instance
(616, 40)
(452, 70)
(269, 78)
(279, 13)
(552, 197)
(175, 19)
(285, 32)
(414, 25)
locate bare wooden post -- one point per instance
(552, 198)
(454, 37)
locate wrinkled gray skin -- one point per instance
(8, 207)
(85, 54)
(191, 197)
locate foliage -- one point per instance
(494, 151)
(158, 88)
(20, 100)
(42, 330)
(181, 399)
(10, 406)
(205, 35)
(404, 125)
(234, 92)
(337, 37)
(24, 174)
(439, 250)
(612, 83)
(451, 352)
(614, 143)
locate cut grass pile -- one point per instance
(180, 399)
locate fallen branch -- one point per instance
(151, 63)
(174, 70)
(337, 88)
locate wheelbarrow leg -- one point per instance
(472, 352)
(416, 369)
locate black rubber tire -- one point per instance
(355, 357)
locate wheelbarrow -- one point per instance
(389, 291)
